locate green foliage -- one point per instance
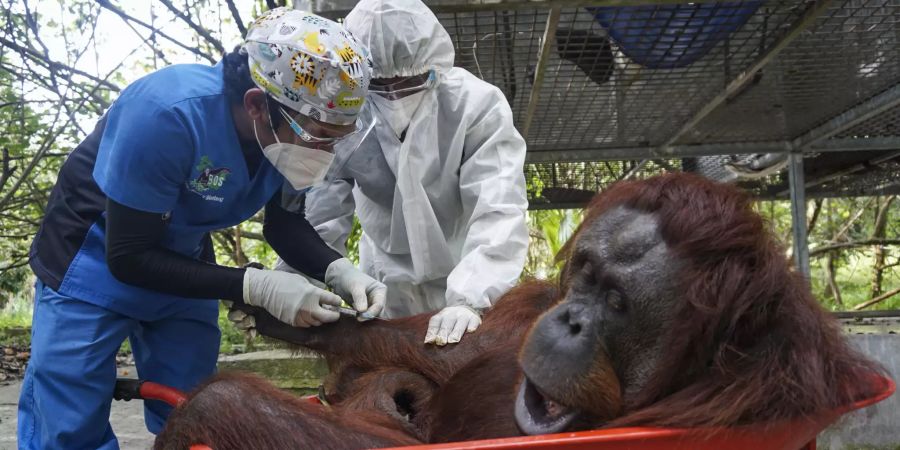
(19, 127)
(843, 220)
(548, 232)
(853, 278)
(16, 312)
(353, 241)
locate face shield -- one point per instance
(404, 87)
(340, 150)
(310, 134)
(306, 159)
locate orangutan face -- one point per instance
(604, 340)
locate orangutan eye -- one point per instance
(588, 271)
(615, 301)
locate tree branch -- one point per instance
(32, 24)
(54, 86)
(817, 209)
(15, 265)
(150, 43)
(16, 218)
(200, 30)
(109, 6)
(24, 102)
(36, 56)
(877, 300)
(6, 171)
(853, 219)
(237, 17)
(226, 241)
(819, 251)
(832, 283)
(251, 235)
(53, 134)
(46, 155)
(18, 73)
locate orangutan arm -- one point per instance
(375, 343)
(398, 342)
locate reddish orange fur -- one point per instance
(749, 341)
(749, 344)
(380, 359)
(240, 411)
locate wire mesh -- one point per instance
(647, 106)
(572, 185)
(848, 174)
(886, 124)
(877, 180)
(628, 77)
(851, 53)
(498, 46)
(620, 76)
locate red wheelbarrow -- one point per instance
(798, 434)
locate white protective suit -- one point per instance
(443, 212)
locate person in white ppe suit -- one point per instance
(438, 186)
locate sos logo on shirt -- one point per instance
(210, 179)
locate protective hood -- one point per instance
(403, 36)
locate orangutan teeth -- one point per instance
(553, 409)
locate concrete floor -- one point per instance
(127, 418)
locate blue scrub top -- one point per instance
(169, 146)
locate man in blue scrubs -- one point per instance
(124, 249)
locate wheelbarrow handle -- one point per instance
(129, 389)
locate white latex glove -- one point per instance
(282, 266)
(368, 294)
(289, 297)
(449, 325)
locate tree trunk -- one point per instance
(240, 259)
(880, 250)
(832, 290)
(817, 210)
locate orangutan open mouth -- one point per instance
(537, 413)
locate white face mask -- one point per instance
(398, 113)
(302, 167)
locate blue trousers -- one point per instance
(68, 387)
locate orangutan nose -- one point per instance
(561, 345)
(572, 320)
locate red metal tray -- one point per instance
(794, 435)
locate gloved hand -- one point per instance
(368, 294)
(449, 325)
(282, 266)
(289, 297)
